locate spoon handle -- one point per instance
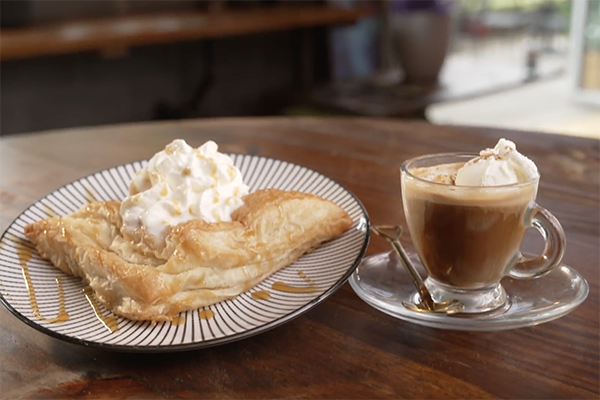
(408, 265)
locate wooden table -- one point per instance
(343, 348)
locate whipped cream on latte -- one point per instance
(180, 184)
(502, 165)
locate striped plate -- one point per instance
(57, 304)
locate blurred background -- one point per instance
(523, 64)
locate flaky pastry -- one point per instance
(202, 263)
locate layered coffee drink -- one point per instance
(467, 215)
(466, 238)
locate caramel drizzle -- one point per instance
(306, 278)
(24, 257)
(213, 173)
(108, 321)
(261, 295)
(231, 172)
(284, 287)
(206, 314)
(89, 195)
(49, 210)
(178, 320)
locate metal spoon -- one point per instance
(426, 305)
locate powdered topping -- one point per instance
(447, 179)
(443, 173)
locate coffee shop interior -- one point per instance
(520, 64)
(344, 185)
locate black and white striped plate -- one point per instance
(32, 288)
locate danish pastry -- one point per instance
(201, 263)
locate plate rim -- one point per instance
(171, 348)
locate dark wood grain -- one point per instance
(116, 34)
(343, 348)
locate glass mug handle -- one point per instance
(554, 245)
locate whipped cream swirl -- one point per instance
(180, 184)
(502, 165)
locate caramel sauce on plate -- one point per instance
(306, 278)
(206, 314)
(284, 287)
(24, 257)
(90, 197)
(178, 320)
(109, 321)
(261, 295)
(49, 210)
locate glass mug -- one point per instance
(468, 238)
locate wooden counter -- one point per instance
(115, 34)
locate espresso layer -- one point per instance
(465, 245)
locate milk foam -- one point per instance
(443, 173)
(450, 193)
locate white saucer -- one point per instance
(382, 282)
